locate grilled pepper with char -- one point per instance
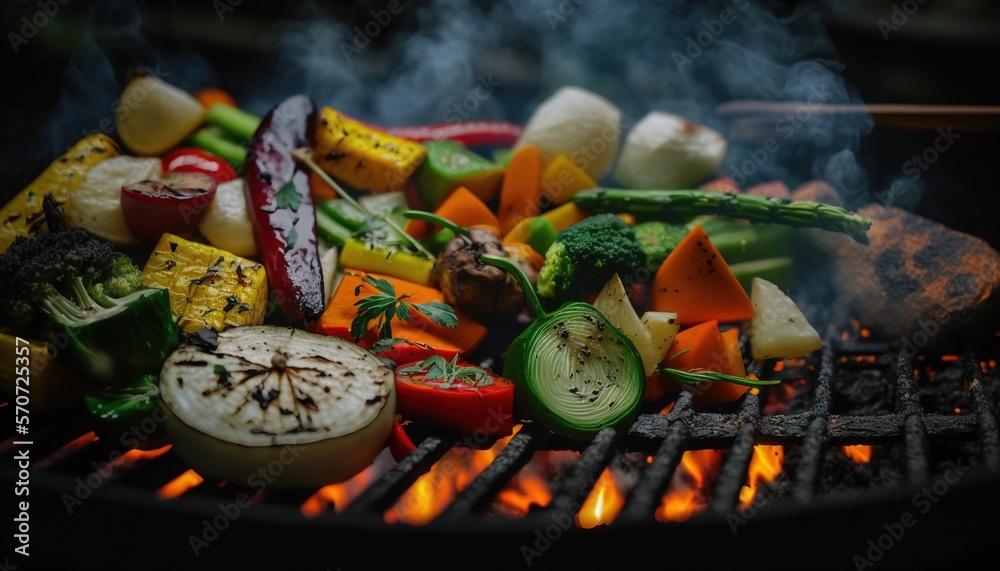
(282, 209)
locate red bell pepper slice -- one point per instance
(469, 133)
(465, 399)
(282, 210)
(190, 159)
(400, 444)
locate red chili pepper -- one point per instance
(457, 402)
(282, 209)
(172, 204)
(190, 159)
(469, 133)
(400, 444)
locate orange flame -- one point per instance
(530, 486)
(603, 503)
(433, 491)
(859, 454)
(338, 495)
(72, 446)
(688, 492)
(179, 485)
(764, 467)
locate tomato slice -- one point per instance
(476, 401)
(190, 159)
(172, 204)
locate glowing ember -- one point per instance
(433, 491)
(779, 366)
(860, 454)
(129, 459)
(668, 408)
(179, 485)
(67, 449)
(688, 492)
(764, 467)
(949, 358)
(603, 504)
(530, 486)
(866, 333)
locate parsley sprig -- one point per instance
(695, 376)
(385, 306)
(435, 368)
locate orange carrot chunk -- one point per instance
(695, 283)
(520, 191)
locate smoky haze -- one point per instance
(423, 64)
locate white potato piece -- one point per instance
(778, 329)
(226, 222)
(308, 409)
(667, 151)
(613, 302)
(153, 116)
(662, 327)
(96, 203)
(579, 124)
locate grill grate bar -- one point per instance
(380, 495)
(810, 464)
(734, 471)
(985, 409)
(480, 491)
(581, 479)
(915, 447)
(645, 496)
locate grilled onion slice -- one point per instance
(278, 406)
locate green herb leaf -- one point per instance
(438, 312)
(695, 376)
(288, 197)
(293, 237)
(435, 368)
(385, 306)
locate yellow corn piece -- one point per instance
(363, 157)
(22, 216)
(208, 287)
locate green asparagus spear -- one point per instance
(680, 203)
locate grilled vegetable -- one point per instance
(33, 269)
(586, 255)
(29, 364)
(779, 330)
(226, 223)
(456, 396)
(318, 406)
(160, 115)
(562, 179)
(208, 287)
(190, 159)
(174, 204)
(217, 142)
(668, 151)
(120, 410)
(695, 283)
(449, 166)
(574, 373)
(282, 209)
(614, 304)
(657, 239)
(468, 133)
(22, 215)
(521, 187)
(473, 287)
(461, 207)
(400, 444)
(111, 340)
(96, 204)
(237, 123)
(376, 255)
(687, 203)
(700, 357)
(538, 232)
(353, 313)
(362, 156)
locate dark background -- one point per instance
(63, 80)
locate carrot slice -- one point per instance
(209, 96)
(704, 347)
(336, 320)
(319, 189)
(695, 283)
(521, 188)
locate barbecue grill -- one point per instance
(926, 497)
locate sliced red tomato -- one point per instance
(455, 395)
(190, 159)
(405, 351)
(172, 204)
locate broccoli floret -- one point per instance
(68, 264)
(586, 255)
(657, 239)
